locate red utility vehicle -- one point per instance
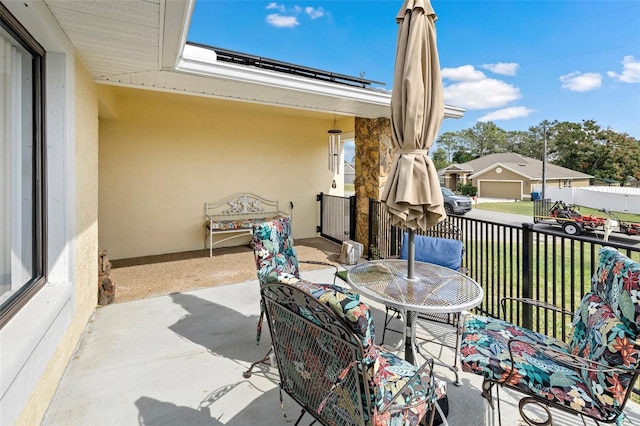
(574, 223)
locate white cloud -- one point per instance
(281, 21)
(288, 17)
(313, 12)
(463, 73)
(507, 114)
(503, 68)
(630, 71)
(274, 5)
(474, 90)
(579, 82)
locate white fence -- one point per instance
(614, 198)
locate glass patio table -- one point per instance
(433, 290)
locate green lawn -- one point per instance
(526, 208)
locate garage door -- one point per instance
(492, 189)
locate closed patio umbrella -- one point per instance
(412, 193)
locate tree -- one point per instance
(524, 143)
(485, 138)
(462, 157)
(625, 154)
(588, 148)
(449, 142)
(440, 158)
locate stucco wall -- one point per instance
(162, 156)
(86, 243)
(86, 167)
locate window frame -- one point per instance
(39, 219)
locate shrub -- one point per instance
(468, 190)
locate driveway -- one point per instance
(506, 218)
(518, 220)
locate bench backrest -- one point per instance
(242, 205)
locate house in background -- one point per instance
(509, 175)
(349, 173)
(115, 132)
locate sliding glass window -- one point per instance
(22, 220)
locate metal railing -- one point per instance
(514, 261)
(337, 217)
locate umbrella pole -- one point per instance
(411, 254)
(410, 338)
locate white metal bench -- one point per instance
(235, 216)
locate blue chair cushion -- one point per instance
(439, 251)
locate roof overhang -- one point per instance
(142, 44)
(495, 166)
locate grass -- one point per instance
(526, 208)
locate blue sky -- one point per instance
(515, 63)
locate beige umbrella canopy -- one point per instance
(412, 193)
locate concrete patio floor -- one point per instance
(178, 360)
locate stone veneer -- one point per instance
(374, 156)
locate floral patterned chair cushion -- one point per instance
(601, 337)
(276, 261)
(485, 351)
(390, 375)
(605, 332)
(617, 282)
(276, 258)
(399, 392)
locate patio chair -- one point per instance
(591, 375)
(276, 261)
(447, 252)
(323, 341)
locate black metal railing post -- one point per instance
(320, 198)
(394, 239)
(527, 273)
(373, 230)
(352, 217)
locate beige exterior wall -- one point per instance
(501, 189)
(573, 183)
(86, 245)
(505, 175)
(580, 183)
(162, 156)
(505, 184)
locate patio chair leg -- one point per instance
(498, 398)
(300, 418)
(487, 393)
(457, 349)
(387, 320)
(431, 416)
(529, 400)
(264, 360)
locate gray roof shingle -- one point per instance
(528, 167)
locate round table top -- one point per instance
(435, 289)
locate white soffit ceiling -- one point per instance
(138, 43)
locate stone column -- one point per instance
(374, 155)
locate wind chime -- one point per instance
(335, 148)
